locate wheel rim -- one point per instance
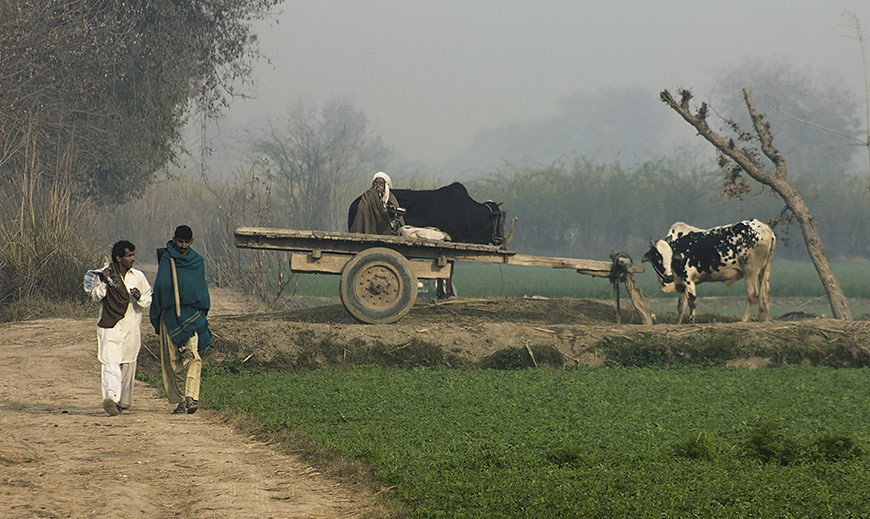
(377, 287)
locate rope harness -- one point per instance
(620, 263)
(495, 217)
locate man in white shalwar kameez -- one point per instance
(123, 293)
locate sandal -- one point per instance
(180, 409)
(111, 407)
(192, 405)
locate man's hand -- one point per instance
(107, 277)
(135, 293)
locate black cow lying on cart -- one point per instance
(452, 210)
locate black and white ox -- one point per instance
(688, 256)
(452, 210)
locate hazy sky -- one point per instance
(430, 74)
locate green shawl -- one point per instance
(193, 297)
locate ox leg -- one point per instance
(692, 304)
(691, 299)
(764, 291)
(444, 288)
(440, 289)
(764, 297)
(751, 297)
(681, 302)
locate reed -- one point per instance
(42, 224)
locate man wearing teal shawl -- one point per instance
(179, 309)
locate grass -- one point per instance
(616, 442)
(41, 308)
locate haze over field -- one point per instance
(455, 86)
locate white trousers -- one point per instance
(117, 382)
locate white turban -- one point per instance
(387, 185)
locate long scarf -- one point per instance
(116, 301)
(193, 295)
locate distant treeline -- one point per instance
(587, 209)
(579, 209)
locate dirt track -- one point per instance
(62, 456)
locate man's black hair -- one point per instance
(183, 232)
(118, 249)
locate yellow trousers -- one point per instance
(181, 367)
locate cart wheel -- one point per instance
(377, 286)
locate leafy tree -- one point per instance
(588, 209)
(314, 154)
(107, 84)
(93, 96)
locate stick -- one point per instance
(175, 288)
(532, 355)
(151, 352)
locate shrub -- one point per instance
(704, 446)
(766, 443)
(522, 358)
(835, 448)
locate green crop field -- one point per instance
(614, 442)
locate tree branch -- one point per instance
(764, 136)
(820, 126)
(727, 147)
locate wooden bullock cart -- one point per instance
(379, 273)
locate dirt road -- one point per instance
(62, 456)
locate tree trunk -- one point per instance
(747, 161)
(816, 249)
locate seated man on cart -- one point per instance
(378, 211)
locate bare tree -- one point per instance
(313, 154)
(736, 159)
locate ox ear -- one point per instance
(498, 204)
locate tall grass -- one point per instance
(47, 246)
